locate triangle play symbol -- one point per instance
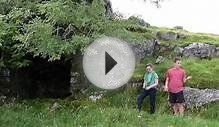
(109, 63)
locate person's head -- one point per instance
(149, 67)
(177, 62)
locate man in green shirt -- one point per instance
(149, 86)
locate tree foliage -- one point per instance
(56, 28)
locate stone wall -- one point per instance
(78, 79)
(5, 82)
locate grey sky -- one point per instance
(193, 15)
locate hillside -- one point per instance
(42, 82)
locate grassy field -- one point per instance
(190, 37)
(115, 109)
(204, 72)
(131, 31)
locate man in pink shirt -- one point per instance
(175, 82)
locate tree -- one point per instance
(53, 29)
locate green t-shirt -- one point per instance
(150, 78)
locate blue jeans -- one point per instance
(152, 94)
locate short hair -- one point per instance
(177, 59)
(149, 65)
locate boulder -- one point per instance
(94, 98)
(178, 51)
(181, 36)
(217, 51)
(108, 7)
(160, 59)
(145, 49)
(167, 36)
(200, 50)
(78, 79)
(178, 27)
(198, 97)
(5, 82)
(55, 107)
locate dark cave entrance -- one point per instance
(43, 79)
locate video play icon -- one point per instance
(108, 63)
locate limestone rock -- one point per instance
(217, 51)
(96, 95)
(167, 36)
(55, 107)
(145, 49)
(160, 59)
(178, 27)
(198, 97)
(108, 7)
(178, 51)
(200, 50)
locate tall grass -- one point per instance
(115, 109)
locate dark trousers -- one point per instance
(152, 94)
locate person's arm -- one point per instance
(167, 81)
(186, 78)
(153, 85)
(166, 84)
(145, 82)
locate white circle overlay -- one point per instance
(94, 63)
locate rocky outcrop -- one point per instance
(166, 36)
(197, 97)
(5, 82)
(169, 36)
(145, 49)
(108, 7)
(178, 50)
(178, 27)
(200, 50)
(195, 50)
(78, 79)
(217, 51)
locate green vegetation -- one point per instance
(114, 109)
(59, 28)
(190, 37)
(204, 72)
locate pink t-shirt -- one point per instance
(176, 76)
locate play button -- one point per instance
(108, 63)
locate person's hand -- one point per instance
(148, 87)
(144, 86)
(165, 88)
(189, 77)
